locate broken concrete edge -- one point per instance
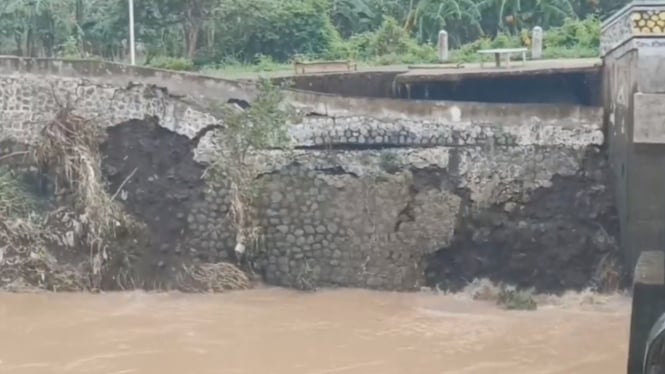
(650, 268)
(208, 89)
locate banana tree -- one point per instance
(351, 16)
(513, 15)
(462, 17)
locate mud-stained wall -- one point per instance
(367, 199)
(619, 87)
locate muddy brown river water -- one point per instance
(273, 331)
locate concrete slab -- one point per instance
(476, 71)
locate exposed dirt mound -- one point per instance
(155, 176)
(161, 179)
(564, 237)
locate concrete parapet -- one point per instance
(640, 24)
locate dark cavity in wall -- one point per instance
(162, 180)
(563, 237)
(554, 88)
(351, 84)
(578, 88)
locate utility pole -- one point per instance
(132, 47)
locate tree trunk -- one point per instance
(29, 50)
(193, 22)
(18, 38)
(192, 40)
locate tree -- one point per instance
(214, 31)
(351, 16)
(427, 17)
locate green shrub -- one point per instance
(388, 45)
(390, 38)
(357, 47)
(574, 39)
(265, 63)
(577, 38)
(279, 29)
(468, 52)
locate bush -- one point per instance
(172, 63)
(388, 45)
(357, 47)
(279, 29)
(574, 34)
(575, 38)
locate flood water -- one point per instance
(273, 331)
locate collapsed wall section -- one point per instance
(367, 199)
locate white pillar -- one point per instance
(132, 47)
(443, 46)
(537, 43)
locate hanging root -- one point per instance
(217, 277)
(68, 150)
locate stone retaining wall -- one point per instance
(365, 199)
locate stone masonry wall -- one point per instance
(362, 200)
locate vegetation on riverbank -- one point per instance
(264, 35)
(68, 213)
(63, 229)
(261, 126)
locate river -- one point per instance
(274, 331)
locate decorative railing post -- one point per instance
(443, 46)
(537, 43)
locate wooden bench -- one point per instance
(502, 52)
(323, 66)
